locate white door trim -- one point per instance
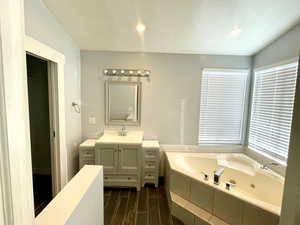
(56, 72)
(5, 191)
(16, 181)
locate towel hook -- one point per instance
(76, 107)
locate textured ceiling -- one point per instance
(176, 26)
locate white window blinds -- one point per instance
(222, 102)
(272, 110)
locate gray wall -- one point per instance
(284, 48)
(290, 214)
(42, 26)
(170, 101)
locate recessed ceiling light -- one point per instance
(236, 32)
(140, 27)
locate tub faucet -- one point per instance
(266, 165)
(217, 174)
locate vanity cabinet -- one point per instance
(108, 157)
(121, 164)
(129, 158)
(150, 168)
(87, 153)
(127, 161)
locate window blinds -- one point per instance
(222, 102)
(272, 110)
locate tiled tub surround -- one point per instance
(255, 200)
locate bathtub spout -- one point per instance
(266, 165)
(217, 175)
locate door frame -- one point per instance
(56, 63)
(6, 210)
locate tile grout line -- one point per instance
(158, 207)
(116, 208)
(136, 207)
(126, 209)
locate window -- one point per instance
(272, 110)
(222, 106)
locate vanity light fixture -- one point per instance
(127, 73)
(236, 32)
(140, 27)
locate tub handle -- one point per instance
(229, 185)
(205, 175)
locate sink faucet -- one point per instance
(217, 174)
(266, 165)
(123, 131)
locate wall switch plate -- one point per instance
(92, 120)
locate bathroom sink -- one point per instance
(109, 138)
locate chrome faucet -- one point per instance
(266, 165)
(217, 175)
(123, 131)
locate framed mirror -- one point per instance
(123, 103)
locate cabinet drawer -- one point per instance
(87, 157)
(150, 154)
(150, 165)
(83, 162)
(120, 180)
(149, 176)
(88, 162)
(87, 153)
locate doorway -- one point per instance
(39, 101)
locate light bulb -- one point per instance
(140, 27)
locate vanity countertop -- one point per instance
(113, 138)
(150, 144)
(89, 143)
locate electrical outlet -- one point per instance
(92, 120)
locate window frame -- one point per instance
(265, 154)
(245, 115)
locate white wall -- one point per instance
(80, 202)
(42, 26)
(170, 101)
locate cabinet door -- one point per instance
(107, 156)
(129, 158)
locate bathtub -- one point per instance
(255, 189)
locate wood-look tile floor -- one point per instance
(129, 207)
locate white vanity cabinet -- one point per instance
(107, 155)
(87, 153)
(121, 164)
(150, 168)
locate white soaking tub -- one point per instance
(257, 192)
